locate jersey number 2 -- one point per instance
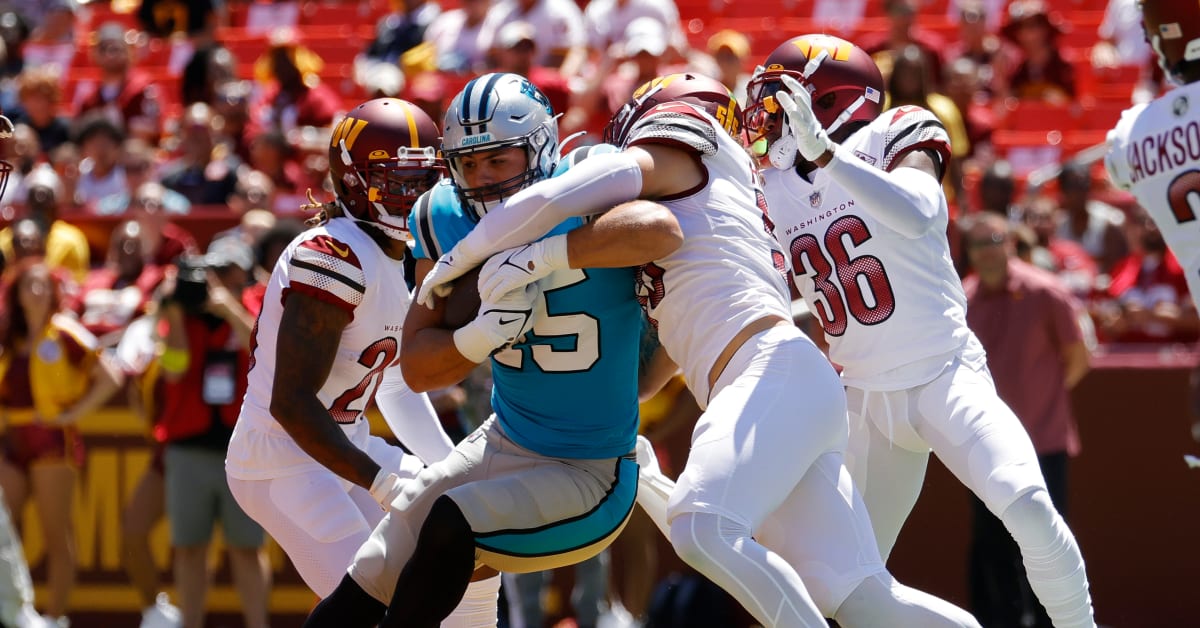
(377, 356)
(1183, 196)
(862, 286)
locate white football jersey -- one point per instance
(340, 264)
(729, 271)
(885, 301)
(1154, 152)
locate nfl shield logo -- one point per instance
(814, 199)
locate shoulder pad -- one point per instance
(912, 128)
(577, 155)
(433, 213)
(679, 125)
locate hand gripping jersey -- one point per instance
(884, 300)
(729, 271)
(1154, 152)
(568, 388)
(337, 263)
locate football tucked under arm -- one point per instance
(462, 304)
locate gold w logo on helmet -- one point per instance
(838, 49)
(348, 130)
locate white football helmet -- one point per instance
(499, 111)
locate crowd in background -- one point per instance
(148, 112)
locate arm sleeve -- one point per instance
(906, 200)
(411, 418)
(592, 187)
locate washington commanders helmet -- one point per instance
(495, 111)
(1173, 31)
(382, 156)
(844, 82)
(706, 93)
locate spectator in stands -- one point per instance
(964, 89)
(14, 30)
(138, 161)
(636, 59)
(119, 291)
(210, 66)
(272, 155)
(207, 332)
(162, 240)
(52, 375)
(52, 44)
(1092, 223)
(994, 56)
(28, 240)
(100, 172)
(1121, 38)
(1042, 73)
(205, 173)
(516, 49)
(66, 245)
(607, 20)
(910, 83)
(729, 48)
(401, 30)
(1147, 298)
(998, 191)
(64, 160)
(253, 190)
(562, 40)
(903, 31)
(197, 19)
(39, 90)
(1007, 299)
(126, 95)
(457, 37)
(268, 246)
(1075, 267)
(232, 107)
(293, 93)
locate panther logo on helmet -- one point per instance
(382, 156)
(1173, 31)
(497, 111)
(701, 91)
(844, 82)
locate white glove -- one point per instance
(521, 265)
(499, 323)
(386, 488)
(450, 266)
(811, 139)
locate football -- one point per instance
(462, 304)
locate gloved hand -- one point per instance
(386, 488)
(521, 265)
(450, 266)
(811, 139)
(499, 323)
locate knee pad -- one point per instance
(1007, 483)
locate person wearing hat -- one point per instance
(516, 52)
(1042, 73)
(205, 327)
(457, 36)
(562, 42)
(607, 20)
(729, 48)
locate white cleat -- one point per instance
(646, 458)
(162, 615)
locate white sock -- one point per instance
(477, 609)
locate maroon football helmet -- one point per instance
(382, 156)
(846, 86)
(706, 93)
(1173, 31)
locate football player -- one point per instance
(858, 206)
(550, 479)
(302, 461)
(770, 442)
(1154, 151)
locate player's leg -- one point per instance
(888, 474)
(145, 508)
(777, 407)
(247, 557)
(53, 483)
(822, 528)
(16, 587)
(983, 443)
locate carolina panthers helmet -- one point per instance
(382, 156)
(844, 82)
(495, 111)
(1173, 30)
(706, 93)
